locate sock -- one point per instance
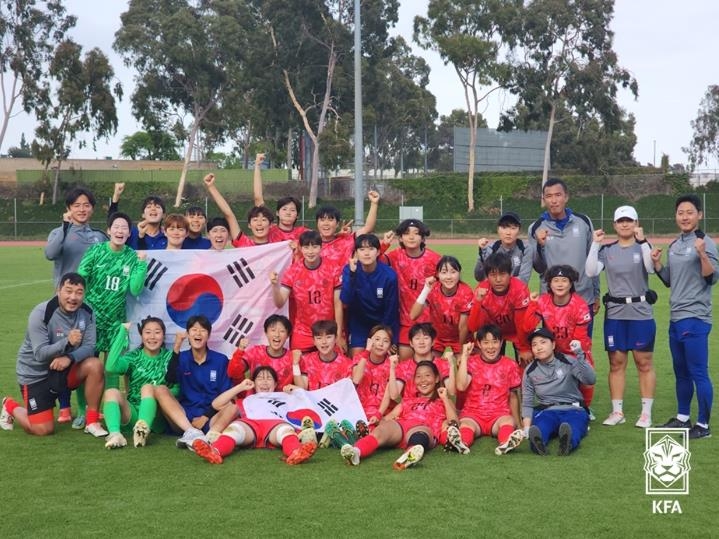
(81, 402)
(113, 416)
(10, 405)
(289, 444)
(647, 407)
(442, 438)
(367, 445)
(91, 416)
(617, 406)
(703, 425)
(504, 432)
(467, 435)
(682, 417)
(587, 393)
(112, 381)
(148, 409)
(64, 399)
(225, 445)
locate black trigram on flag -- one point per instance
(155, 271)
(241, 272)
(239, 328)
(327, 406)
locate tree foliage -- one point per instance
(705, 139)
(29, 32)
(154, 145)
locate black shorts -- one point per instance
(38, 397)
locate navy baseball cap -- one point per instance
(541, 332)
(509, 217)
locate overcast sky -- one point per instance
(669, 46)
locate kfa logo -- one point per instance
(666, 461)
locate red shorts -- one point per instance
(302, 342)
(408, 424)
(485, 422)
(262, 429)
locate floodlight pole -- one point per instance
(359, 146)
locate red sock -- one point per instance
(442, 438)
(588, 394)
(367, 445)
(504, 432)
(289, 444)
(91, 416)
(10, 405)
(225, 445)
(467, 435)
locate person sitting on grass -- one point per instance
(491, 402)
(414, 425)
(58, 353)
(146, 369)
(370, 373)
(256, 433)
(552, 404)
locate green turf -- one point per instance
(68, 485)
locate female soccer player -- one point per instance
(629, 322)
(146, 368)
(414, 425)
(449, 301)
(257, 433)
(370, 373)
(692, 269)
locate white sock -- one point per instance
(682, 417)
(703, 425)
(647, 407)
(617, 405)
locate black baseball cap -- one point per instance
(509, 216)
(540, 332)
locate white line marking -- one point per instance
(24, 284)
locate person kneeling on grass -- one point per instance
(146, 369)
(414, 424)
(552, 402)
(257, 433)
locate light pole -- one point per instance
(359, 146)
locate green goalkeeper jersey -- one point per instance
(109, 276)
(140, 368)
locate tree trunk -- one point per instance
(186, 162)
(548, 145)
(289, 154)
(56, 182)
(9, 107)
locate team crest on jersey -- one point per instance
(213, 375)
(380, 292)
(636, 258)
(125, 271)
(575, 232)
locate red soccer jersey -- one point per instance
(411, 274)
(508, 311)
(372, 387)
(311, 298)
(405, 373)
(445, 311)
(323, 373)
(425, 411)
(488, 393)
(567, 322)
(277, 234)
(246, 361)
(338, 251)
(243, 240)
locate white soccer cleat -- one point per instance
(79, 422)
(115, 440)
(96, 430)
(455, 439)
(7, 421)
(644, 421)
(615, 418)
(189, 436)
(140, 432)
(512, 443)
(351, 454)
(409, 458)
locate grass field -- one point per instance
(69, 485)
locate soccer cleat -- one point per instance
(644, 421)
(64, 416)
(675, 423)
(140, 432)
(535, 438)
(326, 441)
(307, 433)
(697, 431)
(334, 434)
(351, 454)
(409, 458)
(511, 443)
(362, 429)
(115, 440)
(348, 431)
(302, 453)
(206, 451)
(454, 438)
(79, 422)
(565, 439)
(96, 430)
(615, 418)
(7, 421)
(189, 436)
(592, 417)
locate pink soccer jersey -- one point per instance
(567, 322)
(323, 373)
(277, 234)
(257, 356)
(488, 393)
(372, 387)
(338, 251)
(423, 411)
(411, 274)
(445, 312)
(243, 240)
(405, 373)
